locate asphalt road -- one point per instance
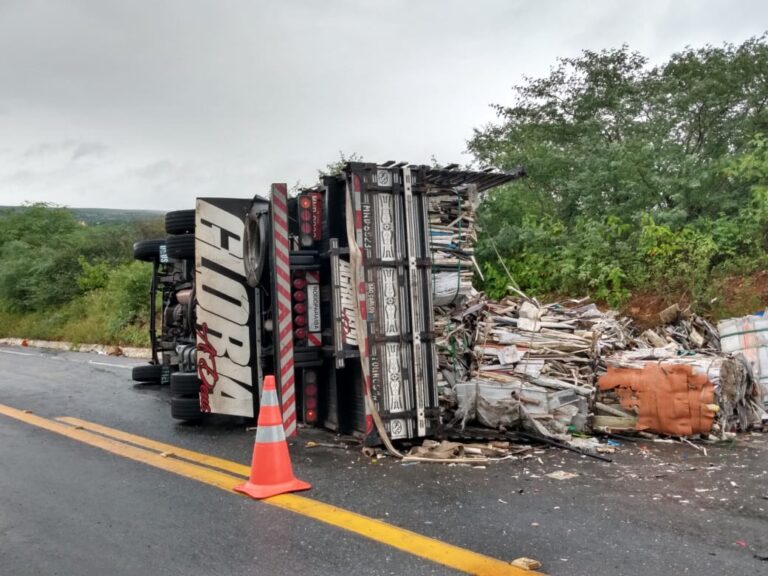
(68, 508)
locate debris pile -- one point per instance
(686, 339)
(452, 237)
(683, 329)
(463, 453)
(736, 395)
(551, 370)
(524, 365)
(556, 369)
(748, 336)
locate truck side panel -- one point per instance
(226, 344)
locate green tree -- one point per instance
(608, 141)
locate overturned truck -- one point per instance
(330, 290)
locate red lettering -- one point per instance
(206, 367)
(345, 323)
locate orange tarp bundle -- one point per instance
(669, 399)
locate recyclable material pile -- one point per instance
(518, 364)
(685, 339)
(568, 367)
(451, 239)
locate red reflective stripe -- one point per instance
(283, 274)
(288, 368)
(282, 259)
(282, 282)
(289, 400)
(284, 332)
(358, 220)
(283, 313)
(281, 224)
(283, 242)
(356, 182)
(279, 202)
(289, 380)
(313, 339)
(290, 424)
(282, 291)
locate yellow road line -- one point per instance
(168, 449)
(200, 473)
(405, 540)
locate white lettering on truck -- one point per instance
(223, 312)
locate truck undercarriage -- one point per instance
(332, 291)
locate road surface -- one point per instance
(70, 504)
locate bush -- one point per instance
(60, 279)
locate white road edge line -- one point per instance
(109, 364)
(18, 353)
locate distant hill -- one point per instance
(112, 216)
(93, 216)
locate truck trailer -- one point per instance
(329, 289)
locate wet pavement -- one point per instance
(67, 508)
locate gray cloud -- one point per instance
(72, 149)
(160, 102)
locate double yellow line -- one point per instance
(226, 474)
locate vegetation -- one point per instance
(63, 279)
(640, 178)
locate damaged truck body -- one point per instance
(330, 290)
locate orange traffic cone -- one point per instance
(271, 471)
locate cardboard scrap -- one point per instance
(669, 399)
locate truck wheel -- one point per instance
(180, 222)
(147, 373)
(255, 244)
(181, 247)
(147, 250)
(185, 408)
(185, 384)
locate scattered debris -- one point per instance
(561, 475)
(526, 563)
(458, 452)
(314, 444)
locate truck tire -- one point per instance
(147, 250)
(255, 244)
(181, 247)
(180, 222)
(185, 408)
(147, 373)
(185, 384)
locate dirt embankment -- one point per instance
(734, 296)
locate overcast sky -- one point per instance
(131, 104)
